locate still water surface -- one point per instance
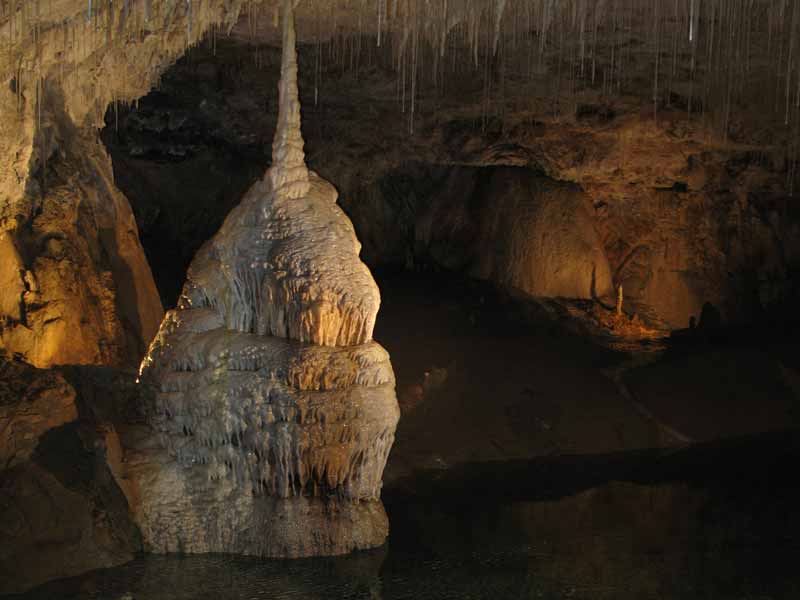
(714, 522)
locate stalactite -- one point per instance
(718, 53)
(500, 6)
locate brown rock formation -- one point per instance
(79, 289)
(518, 229)
(33, 402)
(61, 512)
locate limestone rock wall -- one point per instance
(516, 228)
(79, 289)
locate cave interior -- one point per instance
(444, 298)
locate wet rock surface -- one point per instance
(62, 510)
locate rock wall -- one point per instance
(79, 289)
(61, 510)
(519, 229)
(683, 218)
(672, 249)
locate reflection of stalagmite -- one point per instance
(275, 410)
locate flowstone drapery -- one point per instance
(275, 411)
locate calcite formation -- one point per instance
(275, 411)
(288, 267)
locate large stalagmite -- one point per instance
(275, 411)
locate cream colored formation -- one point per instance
(276, 412)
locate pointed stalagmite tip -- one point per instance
(289, 174)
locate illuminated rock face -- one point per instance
(275, 411)
(287, 267)
(518, 229)
(538, 236)
(75, 287)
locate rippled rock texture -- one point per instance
(519, 229)
(275, 411)
(266, 445)
(287, 267)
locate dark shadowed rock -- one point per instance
(61, 511)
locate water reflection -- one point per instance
(718, 522)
